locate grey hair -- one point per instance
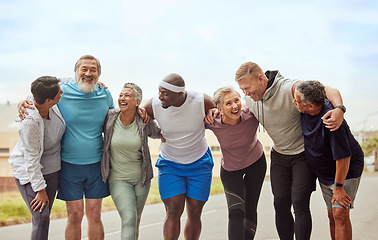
(90, 57)
(219, 95)
(312, 92)
(137, 90)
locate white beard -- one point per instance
(86, 87)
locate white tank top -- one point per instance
(183, 128)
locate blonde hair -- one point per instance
(219, 95)
(249, 69)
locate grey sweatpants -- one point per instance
(40, 220)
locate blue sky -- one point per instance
(335, 42)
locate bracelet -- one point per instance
(338, 184)
(342, 107)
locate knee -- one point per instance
(340, 215)
(282, 203)
(128, 215)
(236, 205)
(234, 201)
(301, 202)
(75, 216)
(93, 215)
(173, 210)
(194, 209)
(41, 218)
(195, 213)
(236, 212)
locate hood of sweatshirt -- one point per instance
(269, 92)
(271, 88)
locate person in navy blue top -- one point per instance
(335, 157)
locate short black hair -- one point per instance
(43, 88)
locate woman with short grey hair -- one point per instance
(126, 160)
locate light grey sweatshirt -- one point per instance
(279, 116)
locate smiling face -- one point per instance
(127, 100)
(252, 87)
(231, 108)
(168, 98)
(87, 75)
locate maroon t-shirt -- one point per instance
(239, 144)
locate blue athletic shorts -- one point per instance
(77, 181)
(193, 179)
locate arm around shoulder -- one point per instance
(333, 118)
(148, 107)
(153, 129)
(66, 80)
(208, 103)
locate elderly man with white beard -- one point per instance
(84, 106)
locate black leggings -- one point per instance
(242, 189)
(292, 185)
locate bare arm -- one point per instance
(339, 194)
(209, 110)
(147, 109)
(144, 115)
(333, 118)
(209, 118)
(208, 103)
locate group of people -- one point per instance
(73, 141)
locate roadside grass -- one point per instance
(13, 209)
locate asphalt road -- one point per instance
(214, 218)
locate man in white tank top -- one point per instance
(185, 162)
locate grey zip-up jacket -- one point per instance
(145, 130)
(25, 158)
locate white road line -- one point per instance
(152, 224)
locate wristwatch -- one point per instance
(338, 184)
(342, 107)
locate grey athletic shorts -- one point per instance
(350, 187)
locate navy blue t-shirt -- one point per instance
(324, 147)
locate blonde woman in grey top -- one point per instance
(126, 160)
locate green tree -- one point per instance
(370, 145)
